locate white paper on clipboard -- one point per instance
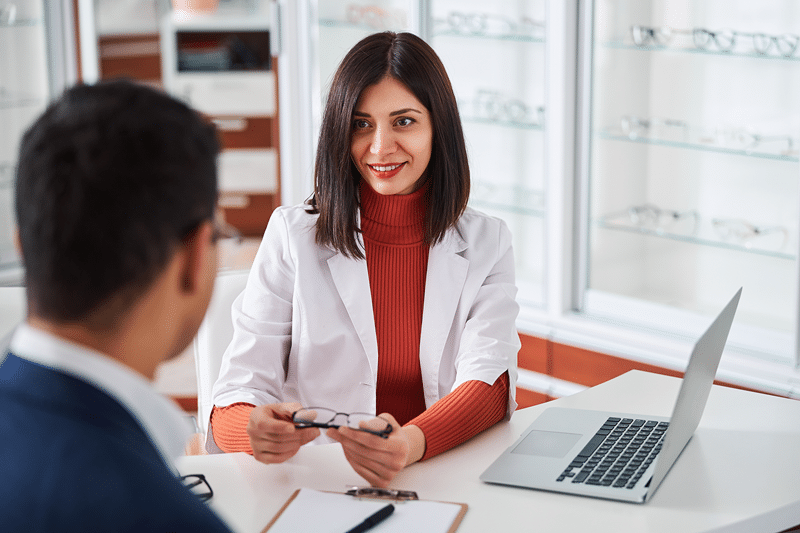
(322, 512)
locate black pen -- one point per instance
(373, 520)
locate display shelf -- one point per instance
(704, 237)
(495, 37)
(346, 24)
(14, 101)
(699, 51)
(20, 23)
(508, 208)
(502, 123)
(703, 147)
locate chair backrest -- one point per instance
(13, 307)
(213, 337)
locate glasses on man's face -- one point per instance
(198, 484)
(223, 230)
(320, 417)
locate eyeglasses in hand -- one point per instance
(321, 417)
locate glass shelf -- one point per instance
(495, 37)
(344, 24)
(703, 238)
(508, 198)
(10, 100)
(21, 23)
(704, 147)
(502, 123)
(696, 51)
(508, 208)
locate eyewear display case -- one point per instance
(37, 61)
(644, 154)
(691, 138)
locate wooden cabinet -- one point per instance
(576, 365)
(222, 66)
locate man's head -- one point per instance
(113, 179)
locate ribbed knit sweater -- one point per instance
(397, 260)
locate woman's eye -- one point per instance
(360, 124)
(405, 121)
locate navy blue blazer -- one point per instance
(73, 459)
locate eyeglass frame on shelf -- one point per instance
(632, 125)
(744, 231)
(492, 105)
(302, 424)
(478, 24)
(725, 39)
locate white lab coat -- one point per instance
(304, 329)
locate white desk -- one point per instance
(703, 492)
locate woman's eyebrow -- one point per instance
(392, 114)
(404, 111)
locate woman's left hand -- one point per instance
(376, 459)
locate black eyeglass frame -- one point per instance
(302, 424)
(191, 481)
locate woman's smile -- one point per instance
(392, 138)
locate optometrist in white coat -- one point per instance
(304, 329)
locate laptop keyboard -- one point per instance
(618, 454)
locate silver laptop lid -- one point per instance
(694, 391)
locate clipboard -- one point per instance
(322, 511)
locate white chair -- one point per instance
(13, 307)
(213, 337)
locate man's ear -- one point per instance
(197, 247)
(17, 241)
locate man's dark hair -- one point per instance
(111, 178)
(411, 61)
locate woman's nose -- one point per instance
(383, 142)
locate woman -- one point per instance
(385, 294)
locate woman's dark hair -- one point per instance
(410, 60)
(111, 179)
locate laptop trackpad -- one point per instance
(547, 443)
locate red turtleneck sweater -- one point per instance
(397, 262)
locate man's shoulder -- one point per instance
(88, 471)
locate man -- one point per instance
(115, 198)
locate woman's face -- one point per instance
(392, 138)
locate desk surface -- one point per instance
(739, 473)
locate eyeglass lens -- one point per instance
(327, 418)
(198, 484)
(723, 39)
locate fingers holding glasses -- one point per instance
(273, 436)
(376, 459)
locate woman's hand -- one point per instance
(376, 459)
(273, 436)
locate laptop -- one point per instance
(617, 456)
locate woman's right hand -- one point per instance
(273, 436)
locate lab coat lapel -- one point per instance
(352, 283)
(447, 273)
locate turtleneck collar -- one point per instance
(393, 219)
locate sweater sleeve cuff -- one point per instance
(470, 409)
(229, 427)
